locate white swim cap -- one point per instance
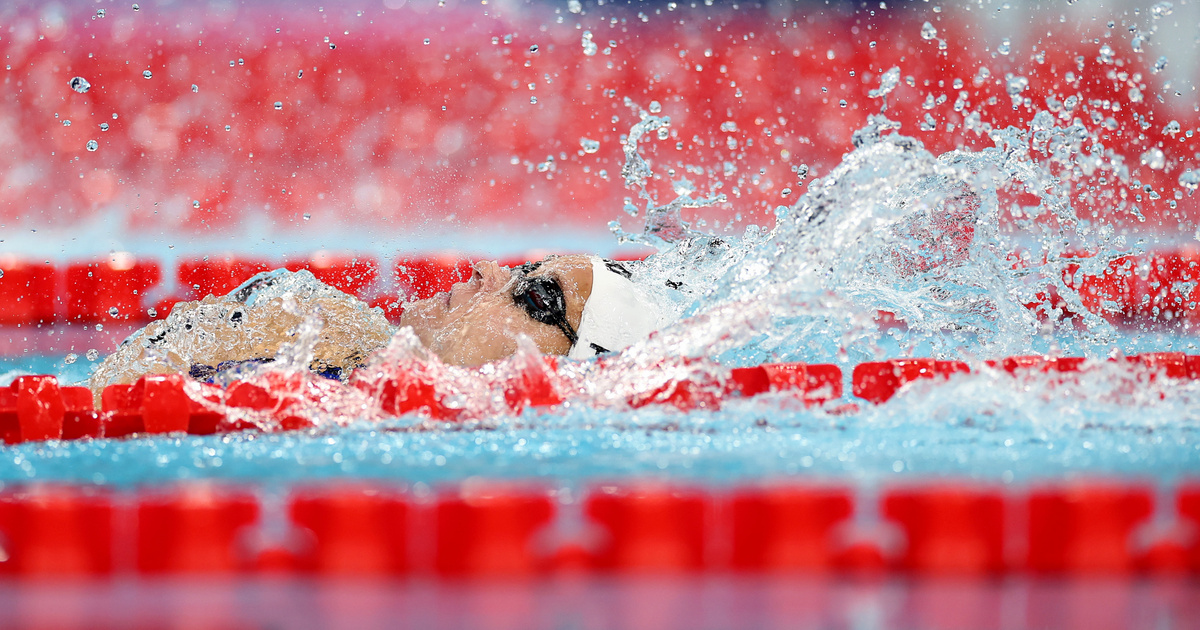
(617, 314)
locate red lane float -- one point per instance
(505, 530)
(652, 528)
(35, 408)
(1085, 527)
(201, 277)
(355, 530)
(950, 529)
(195, 529)
(156, 403)
(28, 291)
(878, 382)
(816, 383)
(787, 528)
(490, 530)
(423, 277)
(112, 289)
(56, 531)
(352, 274)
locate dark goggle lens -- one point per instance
(543, 301)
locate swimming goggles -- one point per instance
(542, 298)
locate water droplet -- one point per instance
(332, 46)
(146, 74)
(1106, 54)
(80, 84)
(241, 62)
(533, 100)
(1162, 9)
(785, 192)
(1159, 65)
(152, 312)
(533, 48)
(729, 126)
(113, 312)
(195, 88)
(99, 327)
(101, 13)
(92, 354)
(92, 145)
(574, 6)
(307, 216)
(195, 203)
(928, 31)
(1016, 85)
(1136, 44)
(278, 104)
(589, 145)
(655, 107)
(1172, 128)
(1154, 158)
(300, 74)
(589, 46)
(70, 358)
(228, 127)
(842, 103)
(1190, 180)
(1005, 47)
(136, 7)
(66, 123)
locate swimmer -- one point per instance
(578, 306)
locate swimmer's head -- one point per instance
(568, 305)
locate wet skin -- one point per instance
(478, 321)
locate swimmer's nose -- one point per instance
(491, 275)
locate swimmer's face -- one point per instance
(478, 321)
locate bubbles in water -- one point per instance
(589, 46)
(80, 84)
(1162, 9)
(574, 6)
(92, 354)
(113, 312)
(146, 74)
(928, 31)
(92, 145)
(1005, 47)
(70, 358)
(278, 105)
(589, 145)
(103, 126)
